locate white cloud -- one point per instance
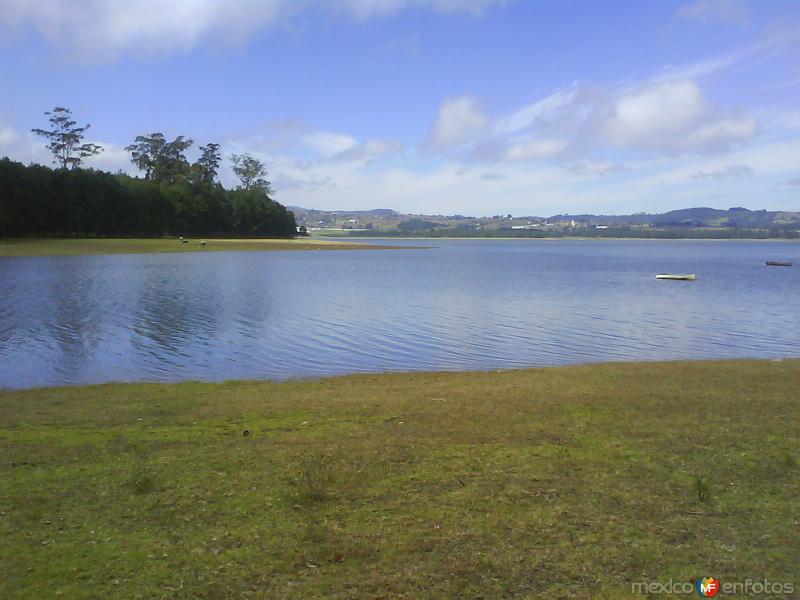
(668, 117)
(364, 9)
(732, 12)
(722, 133)
(459, 120)
(302, 161)
(653, 111)
(102, 30)
(445, 189)
(543, 109)
(535, 150)
(667, 113)
(770, 157)
(113, 158)
(746, 57)
(784, 120)
(308, 146)
(7, 135)
(463, 128)
(97, 30)
(284, 182)
(368, 150)
(329, 144)
(729, 172)
(672, 117)
(595, 167)
(768, 160)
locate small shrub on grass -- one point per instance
(702, 488)
(316, 476)
(141, 481)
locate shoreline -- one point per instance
(22, 247)
(44, 247)
(334, 378)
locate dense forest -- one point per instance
(175, 197)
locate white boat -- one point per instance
(689, 277)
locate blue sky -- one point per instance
(432, 106)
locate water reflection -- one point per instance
(71, 320)
(464, 305)
(174, 310)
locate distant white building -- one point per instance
(526, 227)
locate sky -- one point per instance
(472, 107)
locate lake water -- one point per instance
(466, 304)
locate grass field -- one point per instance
(73, 247)
(552, 483)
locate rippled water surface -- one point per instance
(466, 304)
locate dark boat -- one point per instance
(779, 263)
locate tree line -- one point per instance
(173, 196)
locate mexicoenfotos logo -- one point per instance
(707, 587)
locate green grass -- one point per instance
(73, 247)
(552, 483)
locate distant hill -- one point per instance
(695, 217)
(736, 217)
(375, 212)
